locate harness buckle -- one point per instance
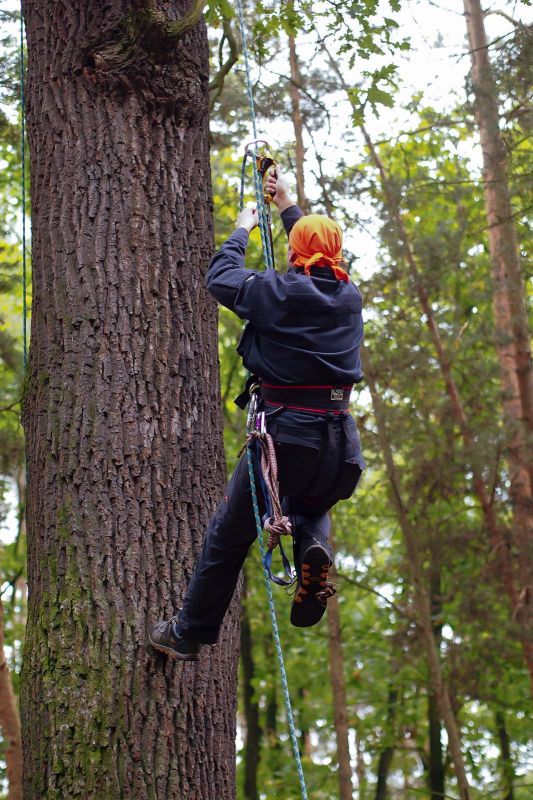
(337, 394)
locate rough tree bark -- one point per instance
(421, 594)
(9, 722)
(338, 688)
(121, 413)
(513, 339)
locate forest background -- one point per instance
(381, 121)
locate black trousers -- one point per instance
(319, 463)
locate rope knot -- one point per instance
(276, 528)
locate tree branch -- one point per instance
(147, 30)
(217, 83)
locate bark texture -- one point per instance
(121, 413)
(10, 722)
(513, 339)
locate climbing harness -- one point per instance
(275, 523)
(268, 253)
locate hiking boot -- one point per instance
(310, 601)
(164, 637)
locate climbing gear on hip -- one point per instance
(275, 523)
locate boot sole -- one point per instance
(309, 611)
(169, 651)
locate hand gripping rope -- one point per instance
(254, 439)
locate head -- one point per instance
(316, 240)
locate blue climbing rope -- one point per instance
(269, 262)
(275, 629)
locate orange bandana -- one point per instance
(314, 239)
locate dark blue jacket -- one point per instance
(301, 329)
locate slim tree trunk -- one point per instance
(436, 771)
(297, 121)
(306, 747)
(122, 410)
(338, 687)
(513, 340)
(387, 753)
(506, 758)
(9, 722)
(499, 545)
(360, 768)
(252, 742)
(421, 596)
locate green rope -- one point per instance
(269, 262)
(23, 195)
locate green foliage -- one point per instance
(441, 200)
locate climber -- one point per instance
(301, 342)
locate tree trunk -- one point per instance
(386, 755)
(306, 747)
(513, 340)
(338, 687)
(506, 758)
(9, 722)
(421, 596)
(252, 742)
(297, 121)
(435, 770)
(122, 412)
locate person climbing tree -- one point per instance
(302, 340)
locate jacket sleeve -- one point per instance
(229, 282)
(291, 215)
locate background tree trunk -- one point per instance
(513, 340)
(9, 722)
(121, 415)
(252, 742)
(436, 771)
(386, 755)
(506, 758)
(297, 121)
(338, 687)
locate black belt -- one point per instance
(321, 399)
